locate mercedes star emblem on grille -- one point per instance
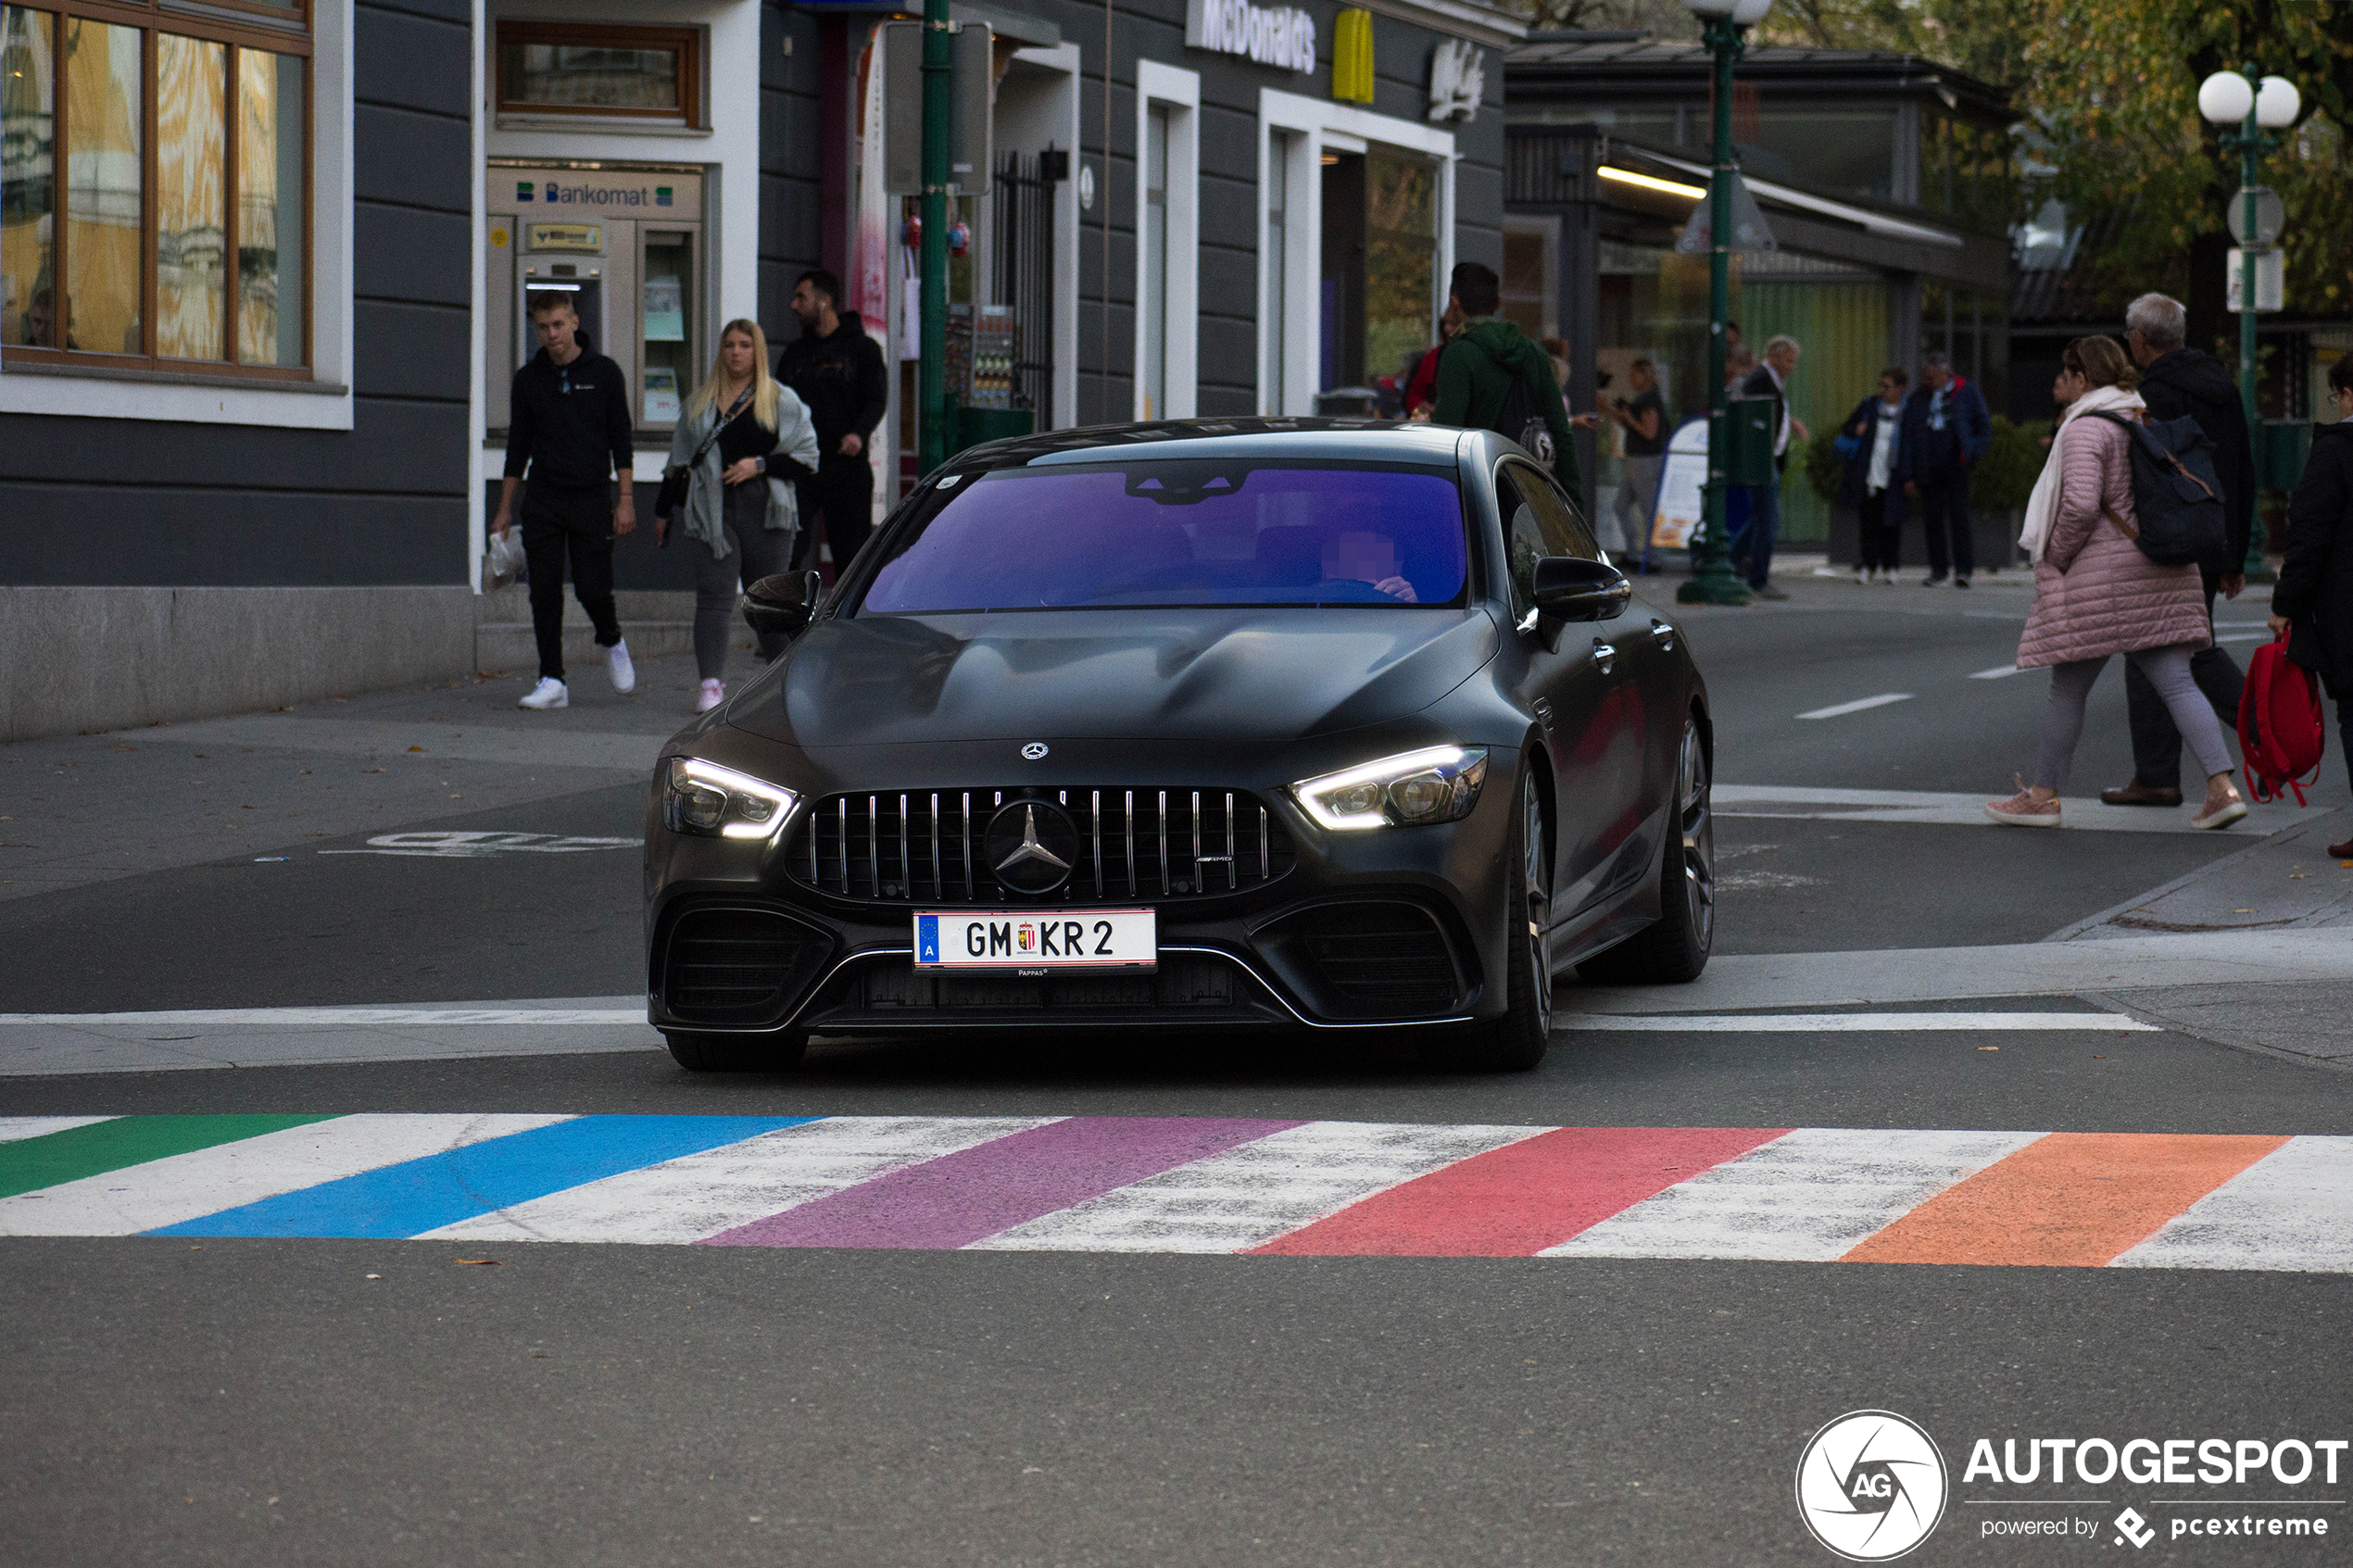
(1031, 845)
(1034, 752)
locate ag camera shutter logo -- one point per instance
(1871, 1485)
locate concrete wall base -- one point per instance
(655, 623)
(80, 659)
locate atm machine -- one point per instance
(626, 243)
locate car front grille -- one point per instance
(738, 965)
(925, 846)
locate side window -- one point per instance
(1560, 519)
(1523, 539)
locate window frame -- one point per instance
(294, 34)
(687, 42)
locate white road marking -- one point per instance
(1857, 1022)
(187, 1187)
(1841, 709)
(2293, 1210)
(701, 1195)
(1257, 1192)
(1807, 1197)
(2000, 671)
(1809, 802)
(480, 846)
(13, 1128)
(324, 1018)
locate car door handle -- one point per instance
(1604, 655)
(1662, 633)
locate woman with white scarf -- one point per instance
(2095, 594)
(746, 436)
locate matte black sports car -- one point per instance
(1307, 723)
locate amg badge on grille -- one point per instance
(1031, 846)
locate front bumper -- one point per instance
(1380, 929)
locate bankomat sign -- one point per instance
(555, 194)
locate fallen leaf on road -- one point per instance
(1989, 1048)
(416, 748)
(480, 1263)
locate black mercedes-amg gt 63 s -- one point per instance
(1308, 725)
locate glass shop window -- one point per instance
(633, 72)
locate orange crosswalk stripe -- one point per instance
(2068, 1199)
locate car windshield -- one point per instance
(1192, 533)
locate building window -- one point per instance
(181, 227)
(634, 72)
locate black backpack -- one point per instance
(1524, 423)
(2176, 494)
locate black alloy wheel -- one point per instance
(1674, 949)
(700, 1052)
(1519, 1040)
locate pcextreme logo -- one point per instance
(1871, 1485)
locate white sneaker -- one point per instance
(713, 693)
(548, 693)
(624, 674)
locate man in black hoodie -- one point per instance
(838, 370)
(569, 426)
(2176, 381)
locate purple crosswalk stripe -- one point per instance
(961, 1197)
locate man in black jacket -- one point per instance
(569, 426)
(838, 370)
(1945, 431)
(2314, 604)
(2176, 382)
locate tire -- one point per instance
(1516, 1041)
(1674, 949)
(734, 1053)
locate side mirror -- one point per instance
(782, 605)
(1571, 589)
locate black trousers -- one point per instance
(2156, 744)
(1945, 519)
(574, 525)
(1878, 545)
(843, 491)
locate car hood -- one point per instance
(1243, 675)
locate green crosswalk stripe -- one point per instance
(29, 1164)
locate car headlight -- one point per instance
(1437, 786)
(715, 802)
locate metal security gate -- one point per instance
(1021, 271)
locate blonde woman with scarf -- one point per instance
(2095, 594)
(746, 436)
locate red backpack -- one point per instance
(2280, 725)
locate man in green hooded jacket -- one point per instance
(1475, 372)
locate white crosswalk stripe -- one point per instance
(1255, 1193)
(1807, 1197)
(700, 1195)
(2293, 1208)
(13, 1128)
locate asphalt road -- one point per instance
(221, 1399)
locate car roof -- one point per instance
(1355, 439)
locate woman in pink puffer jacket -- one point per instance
(2095, 594)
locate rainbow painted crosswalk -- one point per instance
(1198, 1185)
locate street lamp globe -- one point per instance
(1711, 10)
(2225, 98)
(2276, 103)
(1748, 13)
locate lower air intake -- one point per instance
(738, 966)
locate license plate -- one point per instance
(1039, 940)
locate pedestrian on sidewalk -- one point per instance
(1946, 429)
(745, 439)
(569, 427)
(1421, 387)
(2095, 594)
(1870, 439)
(837, 370)
(1644, 420)
(2176, 383)
(1756, 539)
(1487, 360)
(2312, 605)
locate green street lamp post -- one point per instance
(1725, 22)
(2234, 97)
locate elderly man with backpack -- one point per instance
(1492, 376)
(2177, 382)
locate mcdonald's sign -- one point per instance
(1352, 56)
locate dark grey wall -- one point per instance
(791, 169)
(138, 503)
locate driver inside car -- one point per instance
(1367, 558)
